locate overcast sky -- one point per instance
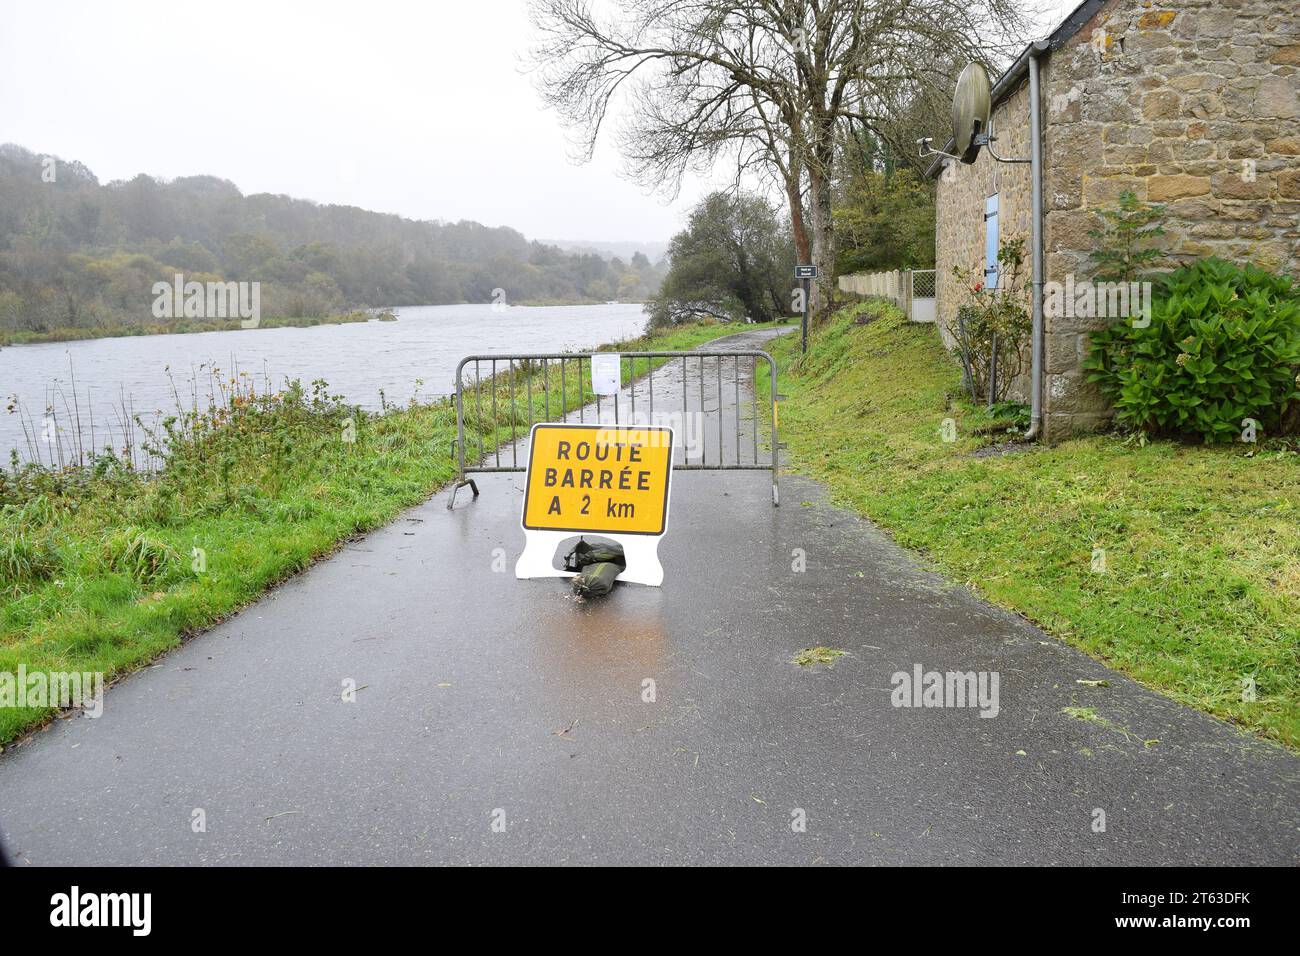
(417, 108)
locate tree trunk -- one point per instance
(798, 227)
(823, 245)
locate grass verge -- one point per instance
(102, 569)
(1201, 583)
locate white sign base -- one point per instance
(640, 550)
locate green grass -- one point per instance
(177, 326)
(1201, 587)
(818, 655)
(104, 569)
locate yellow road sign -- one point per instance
(594, 478)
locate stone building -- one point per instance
(1194, 104)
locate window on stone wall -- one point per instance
(991, 242)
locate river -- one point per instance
(358, 360)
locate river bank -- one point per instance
(184, 326)
(104, 568)
(72, 398)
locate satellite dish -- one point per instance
(971, 103)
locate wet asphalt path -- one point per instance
(483, 698)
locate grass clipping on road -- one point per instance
(103, 568)
(1200, 592)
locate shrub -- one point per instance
(1223, 346)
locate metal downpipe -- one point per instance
(1036, 216)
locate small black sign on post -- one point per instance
(804, 274)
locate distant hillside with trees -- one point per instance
(78, 254)
(623, 249)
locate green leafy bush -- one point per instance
(1223, 346)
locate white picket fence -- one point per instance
(912, 290)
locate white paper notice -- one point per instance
(606, 373)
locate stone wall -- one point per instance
(959, 219)
(1168, 100)
(1193, 104)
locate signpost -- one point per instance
(607, 480)
(803, 274)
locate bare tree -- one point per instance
(768, 83)
(685, 124)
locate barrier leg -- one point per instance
(461, 483)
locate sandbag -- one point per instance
(596, 579)
(585, 554)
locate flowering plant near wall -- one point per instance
(993, 317)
